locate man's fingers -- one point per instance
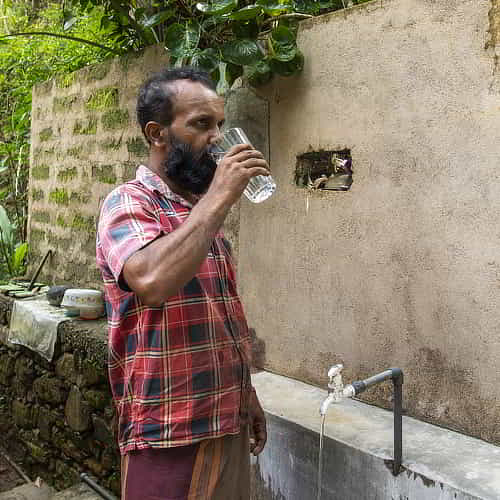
(238, 148)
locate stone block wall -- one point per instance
(85, 140)
(57, 419)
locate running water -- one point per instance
(320, 460)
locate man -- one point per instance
(179, 347)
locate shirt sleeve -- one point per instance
(128, 222)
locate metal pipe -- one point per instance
(15, 466)
(396, 374)
(98, 489)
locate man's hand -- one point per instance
(236, 168)
(258, 432)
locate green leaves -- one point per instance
(246, 13)
(207, 59)
(283, 43)
(156, 19)
(181, 40)
(18, 258)
(242, 52)
(218, 7)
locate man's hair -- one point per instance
(155, 101)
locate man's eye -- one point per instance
(203, 123)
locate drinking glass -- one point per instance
(260, 187)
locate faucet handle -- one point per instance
(334, 371)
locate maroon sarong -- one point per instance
(214, 469)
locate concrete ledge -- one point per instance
(438, 463)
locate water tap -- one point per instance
(336, 389)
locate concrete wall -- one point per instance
(403, 269)
(84, 141)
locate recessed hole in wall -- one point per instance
(324, 170)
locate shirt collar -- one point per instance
(154, 182)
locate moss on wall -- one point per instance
(67, 174)
(84, 223)
(114, 119)
(41, 216)
(98, 71)
(59, 196)
(45, 134)
(86, 127)
(66, 81)
(36, 236)
(61, 221)
(137, 146)
(104, 173)
(37, 194)
(60, 104)
(102, 99)
(41, 172)
(112, 144)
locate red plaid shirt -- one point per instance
(179, 373)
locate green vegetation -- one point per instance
(46, 134)
(114, 119)
(12, 254)
(67, 174)
(104, 173)
(26, 61)
(137, 146)
(103, 99)
(59, 196)
(37, 194)
(40, 172)
(85, 224)
(88, 127)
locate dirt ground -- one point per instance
(9, 478)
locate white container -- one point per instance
(89, 303)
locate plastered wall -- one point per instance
(403, 269)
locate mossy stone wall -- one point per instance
(85, 141)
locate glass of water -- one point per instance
(260, 187)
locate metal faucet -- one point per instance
(336, 389)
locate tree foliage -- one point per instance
(25, 61)
(253, 39)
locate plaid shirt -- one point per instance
(179, 373)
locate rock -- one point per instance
(7, 369)
(77, 411)
(102, 431)
(97, 399)
(23, 414)
(65, 367)
(49, 389)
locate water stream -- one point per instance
(320, 459)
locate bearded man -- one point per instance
(179, 346)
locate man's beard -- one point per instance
(190, 171)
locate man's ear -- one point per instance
(157, 134)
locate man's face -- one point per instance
(199, 114)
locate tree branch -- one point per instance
(67, 37)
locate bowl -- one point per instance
(78, 297)
(91, 312)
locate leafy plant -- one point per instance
(11, 254)
(252, 39)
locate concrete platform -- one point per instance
(438, 464)
(32, 492)
(29, 491)
(78, 492)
